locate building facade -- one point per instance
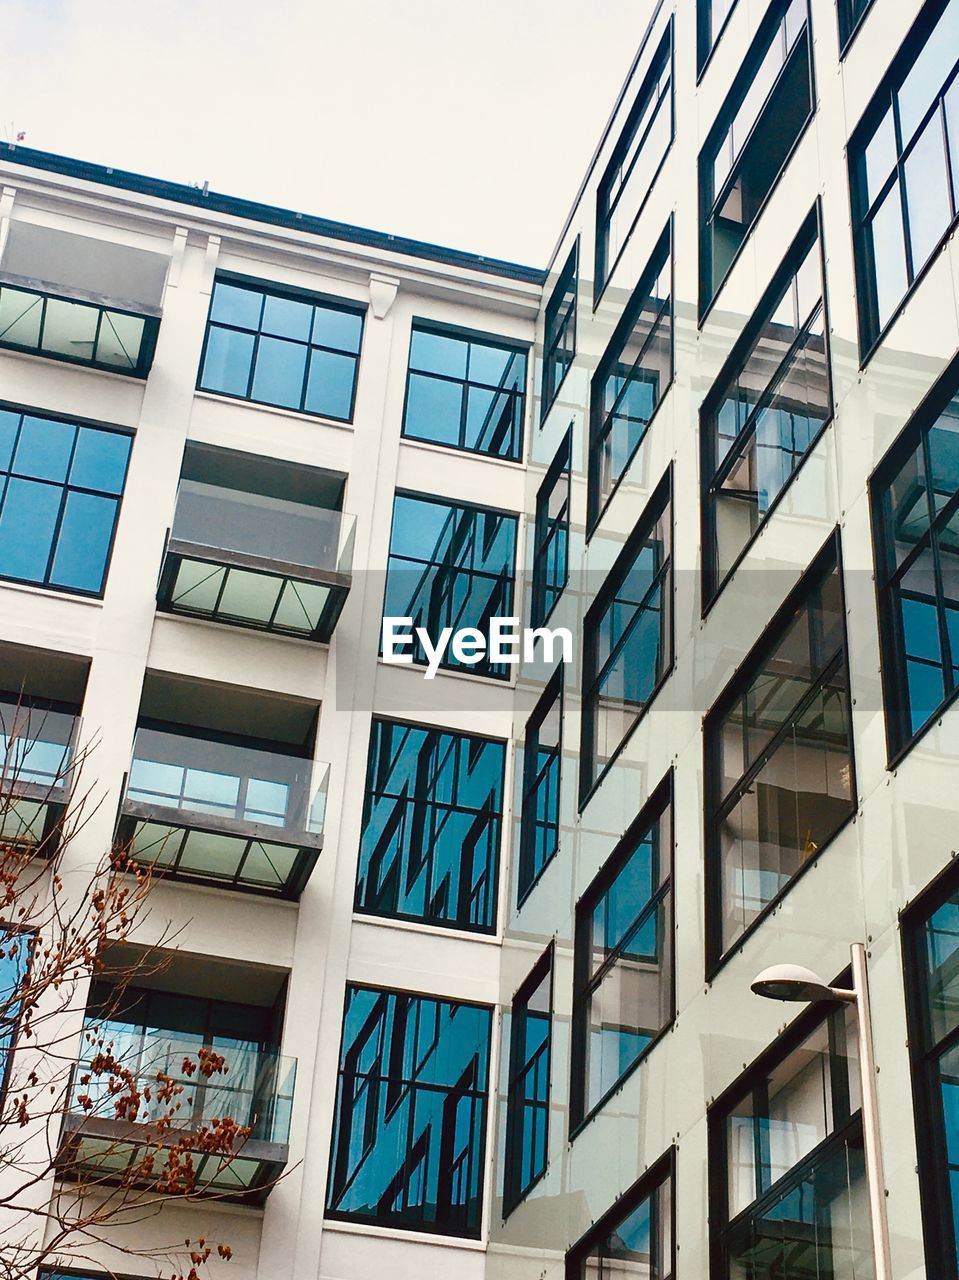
(479, 947)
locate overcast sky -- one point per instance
(464, 122)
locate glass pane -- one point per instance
(927, 193)
(889, 256)
(121, 337)
(100, 460)
(197, 585)
(249, 596)
(69, 329)
(285, 318)
(881, 155)
(83, 544)
(9, 426)
(44, 449)
(20, 315)
(232, 305)
(329, 390)
(226, 366)
(941, 950)
(278, 376)
(341, 330)
(301, 606)
(438, 353)
(433, 409)
(27, 524)
(928, 73)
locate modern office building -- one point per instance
(479, 948)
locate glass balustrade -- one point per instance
(37, 747)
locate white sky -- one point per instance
(465, 122)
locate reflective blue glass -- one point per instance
(329, 388)
(100, 460)
(232, 305)
(542, 761)
(44, 448)
(9, 426)
(432, 823)
(14, 958)
(226, 365)
(83, 543)
(28, 521)
(339, 330)
(410, 1120)
(278, 374)
(285, 318)
(527, 1099)
(551, 535)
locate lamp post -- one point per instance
(795, 983)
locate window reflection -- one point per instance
(559, 335)
(634, 1241)
(542, 763)
(551, 535)
(527, 1105)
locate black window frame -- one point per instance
(900, 738)
(661, 256)
(534, 775)
(709, 200)
(827, 560)
(515, 1190)
(659, 506)
(705, 42)
(663, 57)
(849, 24)
(546, 531)
(659, 807)
(475, 337)
(270, 288)
(713, 582)
(661, 1172)
(566, 287)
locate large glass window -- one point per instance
(622, 967)
(931, 938)
(760, 122)
(711, 17)
(542, 762)
(559, 334)
(432, 821)
(635, 163)
(527, 1099)
(787, 1169)
(292, 350)
(60, 489)
(631, 379)
(465, 391)
(551, 535)
(915, 500)
(766, 410)
(450, 565)
(627, 640)
(409, 1131)
(904, 168)
(14, 959)
(634, 1241)
(780, 780)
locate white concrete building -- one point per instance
(497, 1022)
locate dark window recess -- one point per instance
(904, 168)
(635, 1238)
(60, 489)
(468, 392)
(627, 639)
(559, 334)
(409, 1131)
(635, 163)
(527, 1099)
(623, 961)
(931, 945)
(450, 565)
(779, 760)
(760, 122)
(15, 945)
(295, 351)
(915, 503)
(631, 379)
(850, 14)
(542, 764)
(551, 535)
(711, 17)
(788, 1188)
(766, 410)
(432, 822)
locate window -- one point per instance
(769, 105)
(527, 1099)
(559, 334)
(931, 946)
(623, 959)
(904, 169)
(450, 565)
(635, 163)
(465, 391)
(551, 535)
(915, 505)
(711, 19)
(788, 1189)
(432, 821)
(635, 1238)
(780, 781)
(292, 350)
(15, 945)
(542, 762)
(627, 640)
(409, 1131)
(60, 489)
(631, 379)
(851, 13)
(766, 410)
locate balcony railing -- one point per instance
(101, 1141)
(79, 327)
(37, 749)
(257, 561)
(218, 813)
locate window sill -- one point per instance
(487, 682)
(127, 379)
(408, 1235)
(52, 593)
(456, 932)
(295, 414)
(445, 450)
(219, 624)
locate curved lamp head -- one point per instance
(794, 982)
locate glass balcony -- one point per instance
(37, 747)
(257, 561)
(212, 812)
(100, 1140)
(79, 327)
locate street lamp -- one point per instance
(794, 982)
